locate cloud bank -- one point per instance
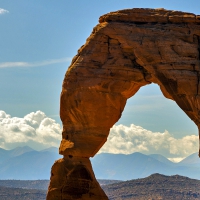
(3, 11)
(39, 131)
(126, 140)
(34, 64)
(35, 130)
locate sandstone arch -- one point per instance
(128, 49)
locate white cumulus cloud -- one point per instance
(39, 131)
(126, 140)
(35, 130)
(3, 11)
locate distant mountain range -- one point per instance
(24, 163)
(138, 165)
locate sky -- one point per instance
(38, 40)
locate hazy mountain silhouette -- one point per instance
(51, 149)
(25, 163)
(191, 160)
(6, 154)
(161, 159)
(138, 165)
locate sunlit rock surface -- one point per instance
(128, 49)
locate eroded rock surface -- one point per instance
(73, 178)
(128, 49)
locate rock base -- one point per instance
(73, 178)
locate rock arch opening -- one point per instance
(148, 117)
(128, 49)
(149, 101)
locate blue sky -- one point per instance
(38, 40)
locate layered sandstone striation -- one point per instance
(128, 49)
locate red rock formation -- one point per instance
(128, 49)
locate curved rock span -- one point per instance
(128, 49)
